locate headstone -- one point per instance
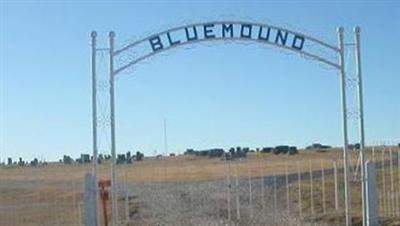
(372, 195)
(67, 160)
(139, 156)
(21, 162)
(85, 158)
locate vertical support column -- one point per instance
(357, 31)
(112, 119)
(94, 118)
(347, 187)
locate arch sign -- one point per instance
(232, 31)
(227, 31)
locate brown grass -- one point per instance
(336, 217)
(179, 168)
(51, 178)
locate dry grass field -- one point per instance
(170, 168)
(59, 187)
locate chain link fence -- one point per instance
(261, 189)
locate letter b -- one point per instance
(156, 43)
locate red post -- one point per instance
(104, 195)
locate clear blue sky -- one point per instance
(211, 96)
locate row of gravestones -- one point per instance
(127, 158)
(85, 158)
(281, 149)
(240, 152)
(215, 152)
(21, 162)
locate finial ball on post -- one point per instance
(357, 29)
(93, 34)
(111, 34)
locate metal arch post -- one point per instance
(112, 119)
(94, 119)
(347, 186)
(357, 31)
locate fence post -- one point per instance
(262, 187)
(392, 196)
(79, 210)
(311, 189)
(127, 196)
(299, 181)
(90, 201)
(275, 197)
(373, 153)
(228, 181)
(75, 203)
(250, 192)
(323, 187)
(383, 183)
(398, 187)
(372, 195)
(237, 194)
(287, 189)
(336, 186)
(57, 212)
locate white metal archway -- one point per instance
(283, 38)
